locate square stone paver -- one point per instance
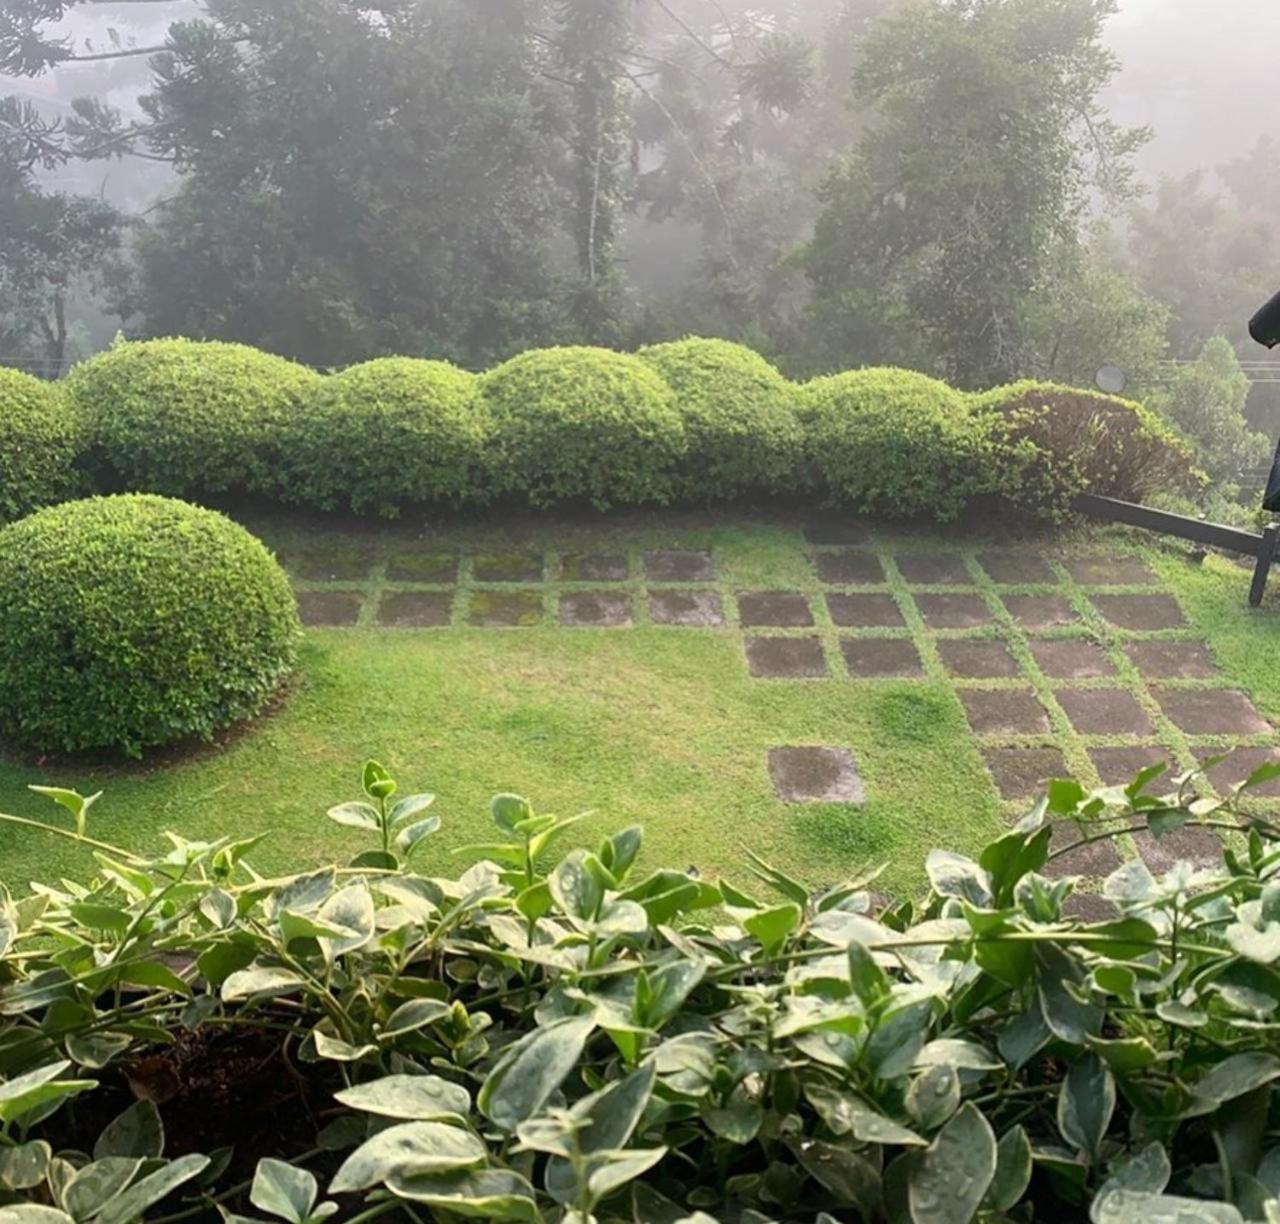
(1104, 712)
(680, 567)
(408, 566)
(848, 568)
(1037, 612)
(880, 658)
(1004, 712)
(1164, 660)
(1089, 907)
(972, 659)
(1109, 571)
(505, 609)
(953, 611)
(776, 610)
(836, 532)
(415, 610)
(1141, 611)
(865, 612)
(1072, 659)
(1211, 711)
(1119, 766)
(815, 775)
(1016, 569)
(779, 658)
(594, 567)
(1190, 844)
(337, 563)
(1239, 765)
(1096, 860)
(595, 609)
(1021, 773)
(688, 609)
(934, 569)
(328, 609)
(508, 567)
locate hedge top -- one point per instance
(692, 420)
(41, 438)
(184, 416)
(739, 414)
(422, 423)
(584, 423)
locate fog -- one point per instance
(1200, 73)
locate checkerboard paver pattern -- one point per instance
(1070, 665)
(1063, 664)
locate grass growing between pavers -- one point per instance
(1244, 641)
(651, 726)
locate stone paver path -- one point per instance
(1073, 665)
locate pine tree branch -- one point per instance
(126, 53)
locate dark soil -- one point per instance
(214, 1089)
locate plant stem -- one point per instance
(72, 835)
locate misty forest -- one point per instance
(980, 191)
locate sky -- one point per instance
(1202, 73)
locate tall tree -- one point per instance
(357, 179)
(738, 115)
(593, 39)
(50, 244)
(1206, 399)
(976, 172)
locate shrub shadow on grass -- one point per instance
(104, 764)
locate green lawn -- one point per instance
(652, 725)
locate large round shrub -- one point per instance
(585, 424)
(41, 441)
(739, 418)
(1056, 442)
(135, 621)
(188, 416)
(386, 433)
(895, 443)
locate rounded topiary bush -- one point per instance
(134, 621)
(1057, 442)
(386, 433)
(895, 443)
(41, 441)
(188, 416)
(587, 424)
(739, 418)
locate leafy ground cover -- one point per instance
(667, 725)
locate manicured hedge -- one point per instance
(584, 424)
(739, 416)
(181, 416)
(1056, 442)
(41, 444)
(388, 433)
(896, 443)
(135, 621)
(692, 421)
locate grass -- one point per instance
(655, 726)
(648, 726)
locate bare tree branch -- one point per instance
(697, 161)
(127, 53)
